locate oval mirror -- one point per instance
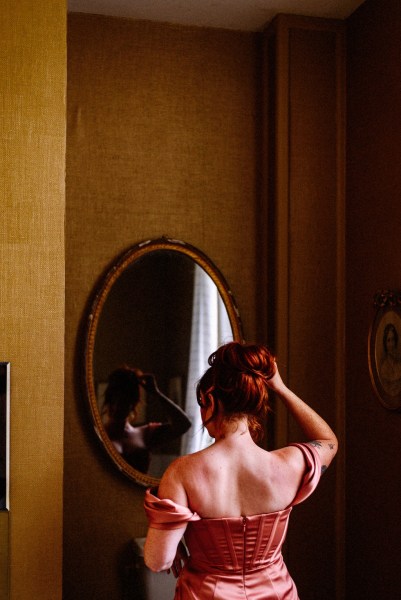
(159, 312)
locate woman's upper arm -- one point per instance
(161, 544)
(161, 547)
(172, 485)
(327, 449)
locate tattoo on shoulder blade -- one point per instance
(315, 443)
(324, 468)
(331, 446)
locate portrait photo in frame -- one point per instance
(384, 349)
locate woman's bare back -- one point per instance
(237, 478)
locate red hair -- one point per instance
(237, 380)
(122, 392)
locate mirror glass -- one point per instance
(159, 312)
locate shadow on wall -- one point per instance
(138, 581)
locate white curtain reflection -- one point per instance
(210, 329)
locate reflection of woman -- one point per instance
(390, 365)
(133, 442)
(233, 499)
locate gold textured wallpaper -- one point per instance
(162, 139)
(32, 193)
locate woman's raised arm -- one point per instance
(314, 427)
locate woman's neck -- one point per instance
(232, 430)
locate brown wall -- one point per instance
(305, 111)
(162, 139)
(32, 158)
(147, 104)
(373, 263)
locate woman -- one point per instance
(136, 442)
(233, 499)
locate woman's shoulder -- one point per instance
(179, 467)
(188, 470)
(181, 464)
(290, 454)
(290, 461)
(299, 458)
(183, 474)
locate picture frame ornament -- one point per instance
(384, 349)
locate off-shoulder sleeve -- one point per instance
(166, 514)
(312, 473)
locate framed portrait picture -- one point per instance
(385, 349)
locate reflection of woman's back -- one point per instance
(135, 442)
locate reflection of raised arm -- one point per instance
(177, 420)
(317, 431)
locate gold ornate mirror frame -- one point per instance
(125, 260)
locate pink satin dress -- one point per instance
(235, 558)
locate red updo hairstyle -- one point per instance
(237, 380)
